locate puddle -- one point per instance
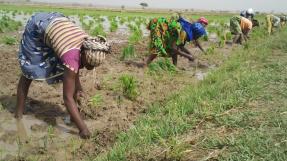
(23, 18)
(199, 75)
(27, 132)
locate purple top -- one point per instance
(71, 59)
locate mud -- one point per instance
(46, 130)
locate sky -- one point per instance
(228, 5)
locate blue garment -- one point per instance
(193, 30)
(37, 60)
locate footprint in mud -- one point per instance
(199, 64)
(136, 64)
(39, 127)
(9, 137)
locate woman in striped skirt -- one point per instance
(53, 48)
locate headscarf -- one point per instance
(203, 20)
(95, 49)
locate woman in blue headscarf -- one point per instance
(168, 37)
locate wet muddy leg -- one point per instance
(22, 92)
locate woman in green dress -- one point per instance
(168, 37)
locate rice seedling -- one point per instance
(96, 100)
(162, 65)
(221, 42)
(122, 20)
(128, 52)
(129, 86)
(138, 23)
(114, 25)
(14, 13)
(98, 30)
(228, 36)
(136, 34)
(101, 19)
(210, 50)
(111, 18)
(130, 19)
(8, 24)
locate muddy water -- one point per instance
(16, 135)
(123, 29)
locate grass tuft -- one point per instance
(8, 24)
(129, 86)
(128, 52)
(162, 65)
(96, 100)
(8, 40)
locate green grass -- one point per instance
(246, 95)
(8, 40)
(129, 86)
(96, 100)
(8, 24)
(210, 50)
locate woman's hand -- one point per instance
(69, 89)
(85, 134)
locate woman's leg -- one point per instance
(22, 91)
(174, 58)
(151, 58)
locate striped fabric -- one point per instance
(63, 35)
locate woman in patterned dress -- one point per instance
(169, 36)
(53, 48)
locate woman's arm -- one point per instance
(69, 84)
(78, 83)
(197, 43)
(79, 90)
(246, 35)
(178, 52)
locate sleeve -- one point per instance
(71, 59)
(198, 30)
(187, 27)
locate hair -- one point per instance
(255, 23)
